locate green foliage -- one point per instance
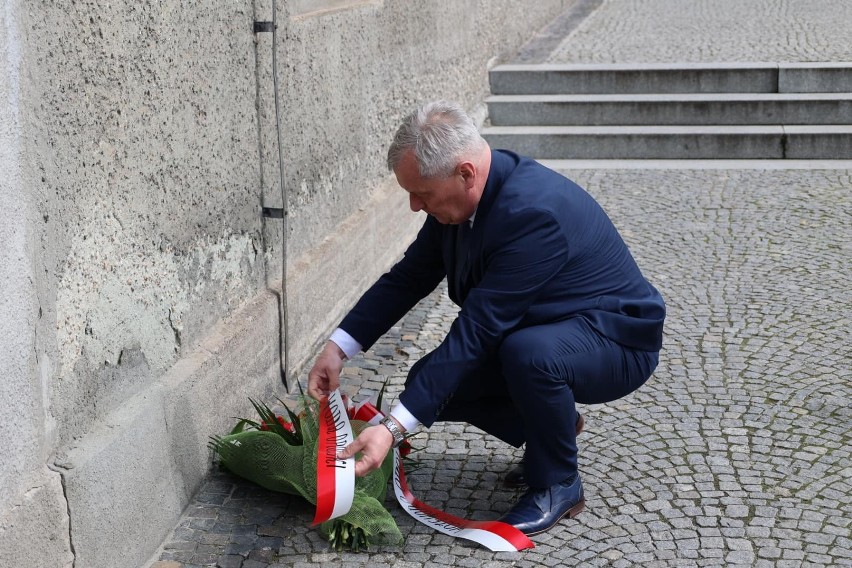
(278, 459)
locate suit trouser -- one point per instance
(527, 392)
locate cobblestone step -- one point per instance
(659, 78)
(675, 142)
(670, 109)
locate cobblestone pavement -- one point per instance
(737, 451)
(678, 31)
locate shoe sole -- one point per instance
(571, 513)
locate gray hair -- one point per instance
(440, 133)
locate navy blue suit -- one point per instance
(553, 310)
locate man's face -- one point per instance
(448, 199)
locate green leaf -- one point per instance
(241, 425)
(294, 420)
(381, 395)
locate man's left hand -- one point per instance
(374, 444)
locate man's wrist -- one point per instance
(394, 429)
(335, 348)
(404, 418)
(348, 344)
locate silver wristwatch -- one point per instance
(398, 437)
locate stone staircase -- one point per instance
(752, 111)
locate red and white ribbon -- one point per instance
(494, 535)
(336, 482)
(366, 411)
(335, 477)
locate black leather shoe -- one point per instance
(516, 477)
(539, 509)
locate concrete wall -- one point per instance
(138, 282)
(33, 512)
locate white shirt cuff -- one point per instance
(346, 342)
(404, 417)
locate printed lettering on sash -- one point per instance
(335, 477)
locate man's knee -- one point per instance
(523, 354)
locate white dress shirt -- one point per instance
(350, 348)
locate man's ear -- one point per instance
(468, 173)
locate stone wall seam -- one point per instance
(60, 471)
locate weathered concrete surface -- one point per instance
(669, 78)
(647, 142)
(142, 152)
(828, 77)
(138, 468)
(326, 281)
(33, 514)
(138, 146)
(633, 78)
(34, 529)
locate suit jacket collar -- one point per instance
(503, 163)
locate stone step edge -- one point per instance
(669, 97)
(667, 130)
(686, 66)
(686, 164)
(758, 77)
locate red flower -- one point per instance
(284, 424)
(404, 448)
(287, 425)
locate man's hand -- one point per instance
(324, 377)
(374, 444)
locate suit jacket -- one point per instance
(540, 250)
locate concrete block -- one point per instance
(815, 78)
(819, 142)
(670, 109)
(640, 142)
(34, 532)
(128, 480)
(121, 486)
(517, 79)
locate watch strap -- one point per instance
(390, 424)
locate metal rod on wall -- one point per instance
(283, 213)
(284, 201)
